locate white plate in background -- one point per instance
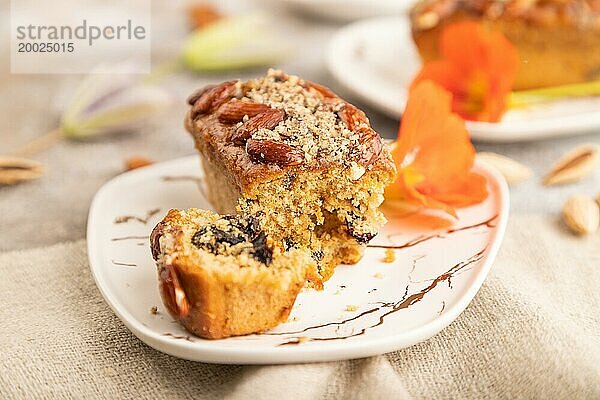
(376, 60)
(436, 274)
(348, 10)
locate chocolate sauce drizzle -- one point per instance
(405, 302)
(129, 238)
(122, 264)
(295, 341)
(414, 266)
(339, 323)
(424, 238)
(190, 178)
(144, 220)
(182, 178)
(187, 337)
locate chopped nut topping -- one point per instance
(312, 124)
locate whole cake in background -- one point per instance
(301, 160)
(558, 40)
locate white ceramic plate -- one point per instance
(437, 272)
(376, 60)
(347, 10)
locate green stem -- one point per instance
(43, 142)
(524, 98)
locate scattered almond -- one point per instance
(175, 291)
(201, 15)
(137, 162)
(581, 214)
(427, 20)
(351, 308)
(513, 171)
(15, 169)
(574, 165)
(390, 256)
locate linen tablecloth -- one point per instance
(531, 332)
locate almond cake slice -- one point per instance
(220, 276)
(304, 162)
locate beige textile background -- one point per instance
(531, 332)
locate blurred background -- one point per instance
(32, 105)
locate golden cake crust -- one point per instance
(557, 40)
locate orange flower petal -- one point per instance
(434, 154)
(444, 73)
(414, 196)
(478, 66)
(462, 192)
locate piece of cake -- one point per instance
(220, 276)
(557, 40)
(300, 159)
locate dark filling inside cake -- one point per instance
(234, 235)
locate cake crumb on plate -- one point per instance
(390, 256)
